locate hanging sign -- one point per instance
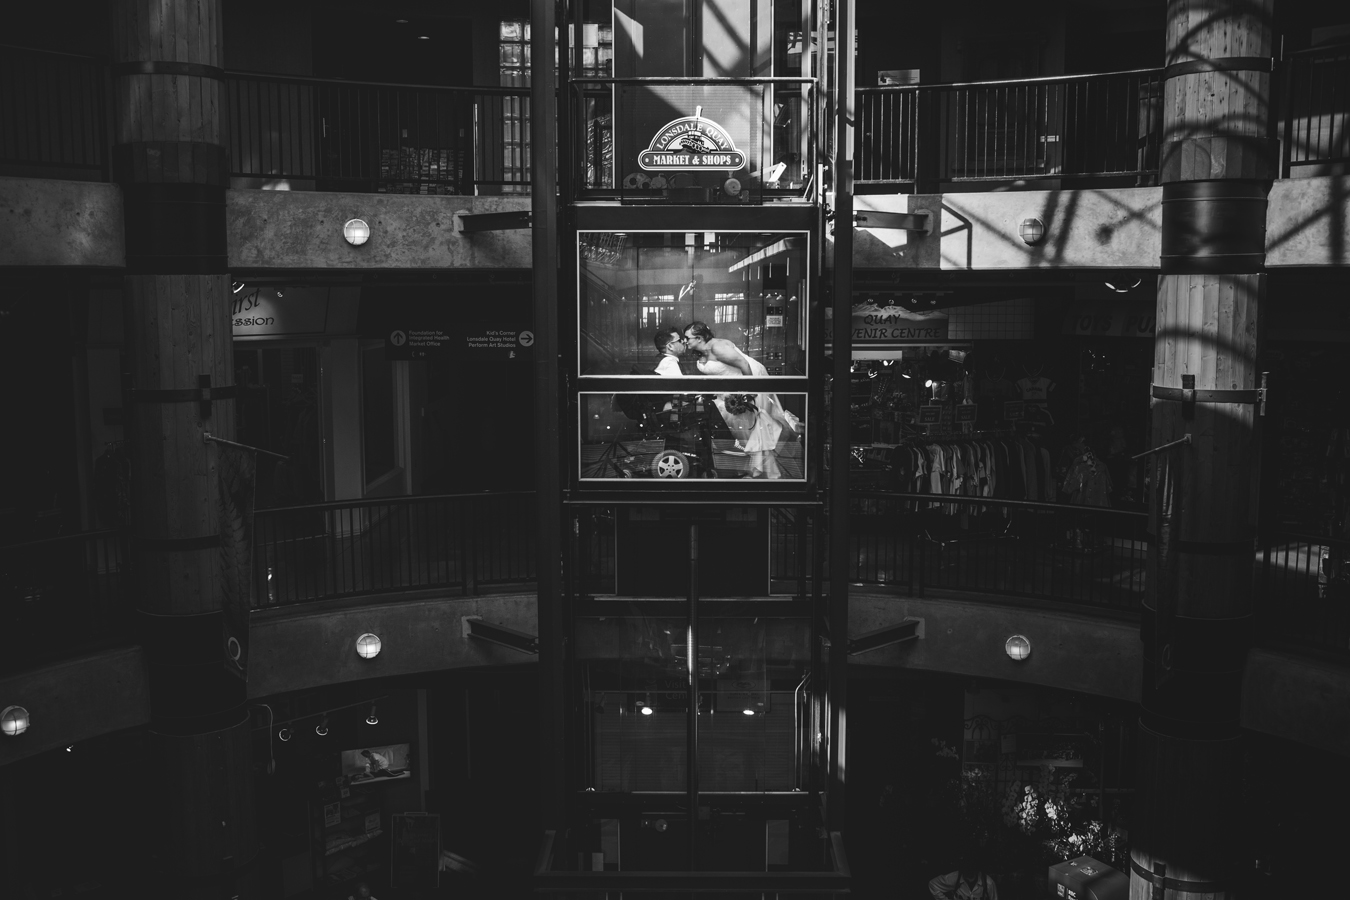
(691, 143)
(879, 327)
(464, 340)
(930, 415)
(1014, 410)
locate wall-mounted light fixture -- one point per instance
(368, 646)
(1017, 647)
(14, 721)
(645, 707)
(356, 231)
(283, 734)
(371, 718)
(1124, 288)
(1032, 230)
(322, 728)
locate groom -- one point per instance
(670, 344)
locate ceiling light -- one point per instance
(70, 748)
(1017, 647)
(368, 646)
(284, 734)
(372, 719)
(645, 709)
(424, 37)
(1125, 288)
(356, 231)
(14, 721)
(400, 21)
(236, 287)
(747, 712)
(322, 728)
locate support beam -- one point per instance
(554, 693)
(473, 223)
(840, 426)
(1215, 171)
(170, 159)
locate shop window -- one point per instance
(725, 314)
(377, 413)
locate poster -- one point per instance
(415, 848)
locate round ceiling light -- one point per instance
(1018, 648)
(356, 231)
(368, 646)
(14, 721)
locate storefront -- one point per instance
(1016, 384)
(290, 342)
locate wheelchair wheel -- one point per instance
(671, 464)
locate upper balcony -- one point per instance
(297, 133)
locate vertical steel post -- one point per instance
(548, 436)
(839, 426)
(691, 648)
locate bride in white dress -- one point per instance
(758, 429)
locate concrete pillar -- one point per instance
(1217, 162)
(170, 159)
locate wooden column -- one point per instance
(1217, 160)
(170, 160)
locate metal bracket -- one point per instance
(1184, 439)
(475, 627)
(203, 393)
(911, 628)
(472, 223)
(1189, 395)
(920, 220)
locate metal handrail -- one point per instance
(330, 505)
(671, 79)
(1043, 79)
(995, 501)
(329, 82)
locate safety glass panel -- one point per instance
(692, 304)
(673, 437)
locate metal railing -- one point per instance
(366, 136)
(62, 594)
(332, 134)
(328, 550)
(1304, 591)
(1067, 126)
(53, 113)
(1316, 108)
(918, 543)
(72, 591)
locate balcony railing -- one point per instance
(1316, 107)
(69, 592)
(458, 542)
(53, 114)
(1070, 126)
(387, 138)
(62, 595)
(329, 134)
